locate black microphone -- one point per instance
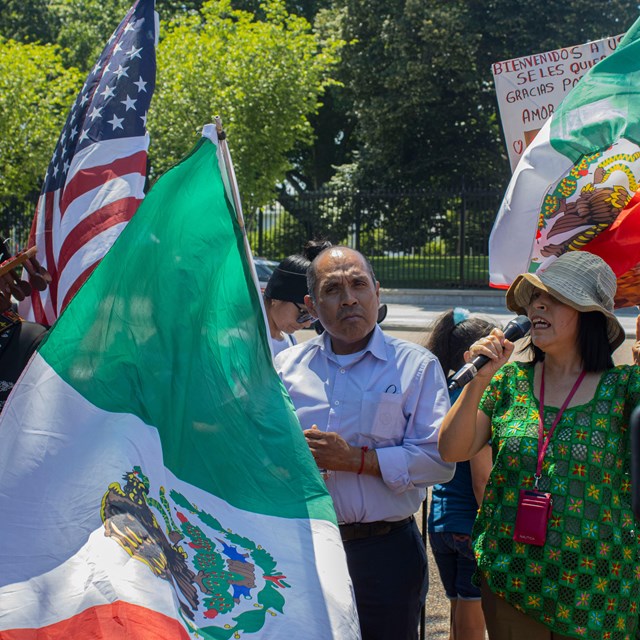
(516, 329)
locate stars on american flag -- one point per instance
(114, 100)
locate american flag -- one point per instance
(96, 177)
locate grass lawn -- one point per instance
(431, 272)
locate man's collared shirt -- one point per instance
(391, 397)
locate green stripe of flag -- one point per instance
(604, 106)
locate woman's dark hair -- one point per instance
(312, 248)
(299, 262)
(593, 343)
(449, 340)
(289, 279)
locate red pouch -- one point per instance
(534, 511)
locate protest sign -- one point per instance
(530, 88)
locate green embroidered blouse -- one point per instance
(585, 581)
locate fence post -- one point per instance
(358, 217)
(260, 231)
(462, 243)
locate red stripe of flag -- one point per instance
(36, 302)
(114, 213)
(619, 244)
(115, 621)
(48, 247)
(87, 179)
(34, 227)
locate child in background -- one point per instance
(454, 505)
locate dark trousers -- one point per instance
(390, 580)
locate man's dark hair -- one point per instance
(593, 343)
(312, 272)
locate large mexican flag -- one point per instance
(576, 185)
(154, 480)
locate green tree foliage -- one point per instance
(413, 105)
(507, 29)
(27, 21)
(414, 77)
(510, 29)
(80, 28)
(314, 165)
(86, 26)
(304, 8)
(264, 78)
(167, 8)
(36, 91)
(419, 77)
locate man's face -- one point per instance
(347, 299)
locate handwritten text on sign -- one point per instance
(529, 89)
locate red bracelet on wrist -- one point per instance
(363, 450)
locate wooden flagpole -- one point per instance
(231, 174)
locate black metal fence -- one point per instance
(15, 225)
(431, 239)
(426, 239)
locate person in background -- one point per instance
(284, 297)
(555, 539)
(371, 407)
(454, 505)
(18, 337)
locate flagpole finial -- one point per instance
(221, 134)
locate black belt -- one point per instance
(359, 530)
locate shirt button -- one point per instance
(341, 370)
(337, 402)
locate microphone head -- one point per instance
(517, 328)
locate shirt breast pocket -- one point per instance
(382, 418)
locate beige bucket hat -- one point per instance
(581, 280)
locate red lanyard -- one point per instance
(543, 443)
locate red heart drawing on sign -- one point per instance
(518, 146)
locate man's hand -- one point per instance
(635, 350)
(330, 451)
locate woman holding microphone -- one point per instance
(555, 538)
